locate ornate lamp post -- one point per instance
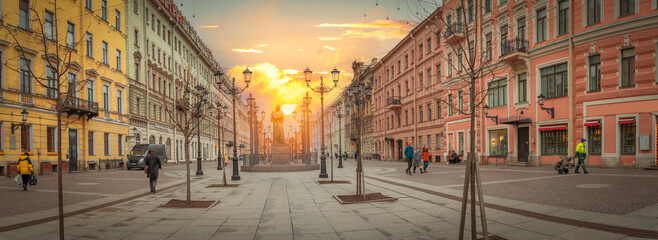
(340, 116)
(234, 91)
(358, 95)
(221, 112)
(307, 127)
(322, 89)
(200, 94)
(261, 127)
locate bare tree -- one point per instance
(190, 108)
(474, 65)
(39, 33)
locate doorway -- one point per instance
(73, 150)
(523, 143)
(400, 149)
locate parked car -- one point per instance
(139, 152)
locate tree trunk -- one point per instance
(187, 169)
(60, 191)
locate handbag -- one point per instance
(33, 180)
(18, 180)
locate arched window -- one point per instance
(152, 140)
(138, 138)
(168, 147)
(160, 141)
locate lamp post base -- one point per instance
(198, 173)
(324, 175)
(235, 177)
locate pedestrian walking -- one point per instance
(418, 158)
(25, 169)
(409, 155)
(426, 159)
(581, 153)
(152, 168)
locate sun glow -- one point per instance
(288, 108)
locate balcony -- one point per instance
(80, 107)
(393, 103)
(514, 49)
(453, 33)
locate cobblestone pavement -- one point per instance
(78, 187)
(613, 191)
(294, 206)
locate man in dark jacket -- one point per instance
(409, 155)
(152, 168)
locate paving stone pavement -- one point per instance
(294, 206)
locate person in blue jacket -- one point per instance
(409, 155)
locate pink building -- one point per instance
(562, 71)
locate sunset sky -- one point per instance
(278, 39)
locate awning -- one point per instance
(553, 127)
(589, 123)
(626, 120)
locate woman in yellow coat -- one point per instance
(25, 169)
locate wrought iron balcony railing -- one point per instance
(509, 46)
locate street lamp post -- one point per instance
(322, 89)
(221, 112)
(200, 94)
(307, 127)
(358, 95)
(340, 116)
(235, 91)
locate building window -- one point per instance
(541, 25)
(406, 117)
(137, 38)
(595, 73)
(2, 136)
(26, 77)
(594, 140)
(450, 64)
(90, 45)
(50, 133)
(429, 112)
(626, 7)
(138, 106)
(502, 2)
(106, 143)
(137, 70)
(406, 61)
(429, 45)
(51, 83)
(24, 14)
(420, 80)
(429, 77)
(554, 142)
(523, 87)
(136, 6)
(498, 143)
(497, 93)
(88, 4)
(593, 12)
(488, 51)
(120, 144)
(48, 25)
(420, 114)
(118, 60)
(106, 97)
(106, 61)
(438, 110)
(420, 50)
(26, 138)
(628, 138)
(449, 105)
(120, 101)
(628, 67)
(563, 18)
(90, 143)
(554, 81)
(487, 6)
(521, 29)
(104, 9)
(460, 102)
(90, 90)
(117, 20)
(459, 61)
(470, 11)
(70, 35)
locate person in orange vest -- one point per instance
(25, 169)
(426, 159)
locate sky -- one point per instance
(278, 39)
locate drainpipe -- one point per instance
(411, 34)
(572, 121)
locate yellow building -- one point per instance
(86, 45)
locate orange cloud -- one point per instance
(262, 45)
(329, 38)
(377, 34)
(377, 24)
(209, 26)
(247, 50)
(329, 47)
